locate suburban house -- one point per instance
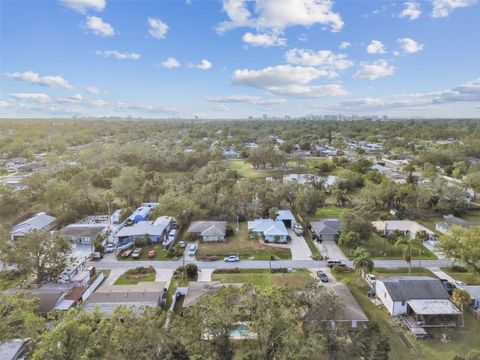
(421, 301)
(40, 221)
(15, 349)
(108, 297)
(140, 214)
(153, 230)
(349, 315)
(270, 230)
(208, 230)
(83, 233)
(404, 227)
(326, 229)
(286, 217)
(451, 220)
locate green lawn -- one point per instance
(383, 272)
(462, 339)
(464, 276)
(134, 276)
(380, 248)
(246, 169)
(240, 243)
(326, 212)
(263, 278)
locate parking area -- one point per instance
(330, 250)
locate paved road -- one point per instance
(257, 264)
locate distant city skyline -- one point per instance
(236, 59)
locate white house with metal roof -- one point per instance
(40, 221)
(405, 227)
(208, 230)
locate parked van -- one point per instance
(171, 235)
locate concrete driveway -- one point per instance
(114, 275)
(205, 274)
(299, 247)
(331, 250)
(163, 275)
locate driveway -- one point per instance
(163, 275)
(114, 275)
(299, 247)
(331, 250)
(205, 274)
(441, 274)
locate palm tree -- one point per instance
(406, 243)
(461, 298)
(363, 261)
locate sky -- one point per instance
(235, 58)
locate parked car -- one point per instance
(232, 258)
(322, 276)
(298, 229)
(136, 253)
(152, 254)
(192, 250)
(172, 234)
(167, 241)
(181, 243)
(371, 279)
(110, 248)
(333, 263)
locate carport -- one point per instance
(286, 217)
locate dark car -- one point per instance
(333, 263)
(322, 276)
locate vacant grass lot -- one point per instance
(327, 212)
(383, 272)
(134, 276)
(464, 276)
(462, 339)
(263, 278)
(380, 248)
(246, 169)
(241, 244)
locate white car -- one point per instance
(167, 242)
(298, 229)
(181, 243)
(232, 258)
(136, 253)
(192, 249)
(110, 248)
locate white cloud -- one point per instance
(467, 92)
(265, 40)
(77, 97)
(219, 108)
(118, 54)
(203, 65)
(409, 46)
(376, 47)
(170, 63)
(82, 6)
(92, 90)
(442, 8)
(279, 14)
(98, 26)
(288, 80)
(34, 97)
(33, 78)
(412, 10)
(322, 58)
(248, 99)
(157, 28)
(344, 45)
(374, 70)
(4, 104)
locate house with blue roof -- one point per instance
(268, 229)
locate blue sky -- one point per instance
(234, 58)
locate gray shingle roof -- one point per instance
(208, 228)
(326, 227)
(415, 288)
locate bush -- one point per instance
(229, 231)
(341, 270)
(192, 271)
(209, 258)
(227, 271)
(279, 270)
